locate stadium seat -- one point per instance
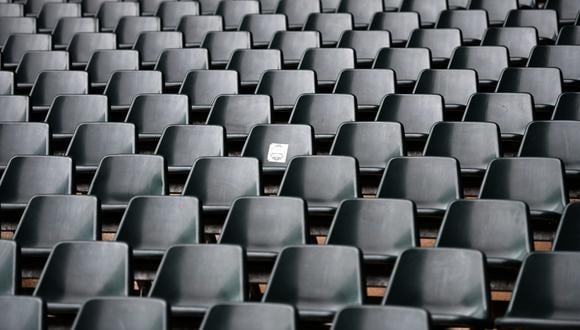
(35, 62)
(366, 44)
(488, 61)
(566, 9)
(91, 7)
(428, 10)
(567, 234)
(14, 108)
(407, 63)
(233, 12)
(327, 63)
(194, 28)
(103, 63)
(285, 86)
(124, 86)
(441, 43)
(13, 25)
(50, 84)
(392, 5)
(83, 45)
(68, 111)
(544, 84)
(561, 57)
(383, 317)
(519, 41)
(369, 86)
(10, 270)
(32, 8)
(471, 23)
(152, 113)
(454, 85)
(545, 21)
(569, 35)
(149, 7)
(171, 13)
(110, 13)
(18, 44)
(399, 24)
(497, 10)
(263, 27)
(174, 64)
(68, 27)
(151, 44)
(361, 10)
(239, 113)
(251, 63)
(23, 139)
(250, 316)
(330, 25)
(204, 86)
(222, 44)
(22, 313)
(78, 271)
(294, 43)
(269, 6)
(52, 12)
(567, 107)
(11, 9)
(208, 7)
(130, 27)
(297, 11)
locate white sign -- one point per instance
(277, 153)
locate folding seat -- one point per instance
(329, 6)
(192, 278)
(383, 317)
(488, 61)
(294, 43)
(210, 174)
(567, 9)
(457, 293)
(152, 43)
(13, 25)
(373, 144)
(18, 44)
(251, 63)
(542, 297)
(92, 142)
(130, 27)
(68, 111)
(285, 86)
(428, 10)
(269, 6)
(263, 27)
(52, 12)
(454, 85)
(114, 183)
(91, 7)
(392, 5)
(492, 107)
(545, 21)
(204, 86)
(34, 62)
(103, 63)
(22, 313)
(369, 86)
(222, 44)
(361, 10)
(78, 271)
(399, 24)
(441, 43)
(181, 145)
(567, 107)
(233, 12)
(110, 13)
(381, 228)
(51, 84)
(567, 234)
(237, 114)
(569, 35)
(263, 226)
(152, 224)
(562, 57)
(171, 13)
(123, 86)
(297, 11)
(497, 10)
(327, 63)
(11, 10)
(68, 27)
(366, 44)
(250, 316)
(152, 113)
(519, 41)
(324, 112)
(82, 46)
(537, 181)
(544, 84)
(334, 276)
(10, 270)
(130, 312)
(330, 25)
(14, 108)
(50, 219)
(498, 228)
(407, 63)
(23, 139)
(175, 63)
(472, 24)
(33, 7)
(208, 7)
(150, 7)
(274, 145)
(473, 144)
(194, 28)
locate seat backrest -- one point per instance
(545, 84)
(567, 9)
(10, 270)
(151, 44)
(82, 46)
(545, 21)
(18, 44)
(428, 10)
(366, 44)
(22, 313)
(51, 84)
(20, 139)
(441, 42)
(407, 63)
(34, 62)
(519, 40)
(130, 27)
(297, 11)
(68, 111)
(285, 86)
(68, 27)
(152, 113)
(234, 12)
(568, 230)
(569, 35)
(417, 112)
(455, 85)
(14, 108)
(252, 63)
(561, 57)
(497, 10)
(134, 312)
(327, 62)
(52, 12)
(222, 44)
(399, 24)
(171, 12)
(472, 23)
(488, 61)
(294, 43)
(330, 25)
(567, 107)
(181, 145)
(263, 27)
(195, 27)
(239, 113)
(13, 25)
(324, 112)
(175, 63)
(361, 10)
(110, 13)
(124, 86)
(103, 63)
(383, 317)
(253, 315)
(493, 107)
(369, 86)
(204, 86)
(93, 141)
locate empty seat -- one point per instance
(544, 84)
(233, 12)
(111, 12)
(83, 45)
(130, 27)
(431, 182)
(204, 86)
(407, 63)
(324, 112)
(13, 25)
(542, 295)
(297, 11)
(269, 6)
(50, 219)
(149, 7)
(250, 316)
(366, 44)
(519, 41)
(34, 62)
(174, 64)
(151, 224)
(11, 9)
(545, 21)
(498, 228)
(381, 228)
(566, 9)
(152, 113)
(569, 35)
(454, 85)
(294, 43)
(50, 84)
(488, 61)
(22, 313)
(263, 27)
(263, 226)
(399, 24)
(51, 13)
(22, 139)
(361, 10)
(68, 111)
(171, 12)
(251, 63)
(441, 43)
(192, 278)
(134, 313)
(222, 44)
(18, 44)
(561, 57)
(237, 114)
(369, 86)
(103, 63)
(384, 317)
(458, 293)
(208, 7)
(78, 271)
(472, 23)
(327, 63)
(194, 28)
(115, 184)
(567, 107)
(285, 86)
(428, 10)
(123, 86)
(334, 276)
(68, 27)
(151, 44)
(497, 10)
(91, 7)
(568, 230)
(33, 7)
(537, 181)
(10, 270)
(14, 108)
(330, 25)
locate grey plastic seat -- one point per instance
(10, 271)
(366, 44)
(567, 107)
(111, 12)
(330, 25)
(561, 57)
(237, 114)
(454, 85)
(194, 28)
(286, 86)
(361, 10)
(497, 10)
(568, 230)
(369, 86)
(18, 44)
(407, 63)
(569, 35)
(441, 43)
(32, 8)
(130, 27)
(234, 12)
(152, 113)
(175, 63)
(50, 84)
(13, 25)
(566, 9)
(544, 84)
(52, 12)
(428, 10)
(11, 9)
(14, 108)
(472, 24)
(68, 111)
(91, 7)
(151, 44)
(297, 11)
(269, 6)
(23, 139)
(252, 63)
(519, 41)
(171, 13)
(22, 313)
(544, 20)
(124, 86)
(399, 24)
(103, 63)
(68, 27)
(204, 86)
(263, 27)
(294, 43)
(82, 46)
(385, 317)
(327, 63)
(250, 316)
(208, 7)
(488, 61)
(222, 44)
(149, 7)
(7, 83)
(34, 62)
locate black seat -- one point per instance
(10, 270)
(544, 84)
(6, 83)
(14, 108)
(82, 46)
(171, 13)
(152, 113)
(192, 278)
(567, 107)
(297, 11)
(194, 28)
(222, 44)
(151, 44)
(294, 43)
(13, 25)
(239, 113)
(204, 86)
(454, 85)
(263, 226)
(250, 316)
(174, 64)
(22, 313)
(569, 35)
(497, 10)
(124, 86)
(488, 61)
(361, 10)
(133, 313)
(111, 12)
(23, 139)
(18, 44)
(263, 27)
(566, 9)
(458, 293)
(327, 63)
(383, 317)
(50, 219)
(399, 24)
(381, 228)
(366, 44)
(68, 27)
(519, 41)
(568, 230)
(52, 12)
(407, 63)
(50, 84)
(561, 57)
(130, 27)
(544, 20)
(431, 182)
(472, 24)
(498, 228)
(285, 86)
(35, 62)
(103, 63)
(68, 111)
(251, 63)
(428, 10)
(233, 12)
(330, 25)
(369, 86)
(537, 181)
(78, 271)
(317, 280)
(441, 43)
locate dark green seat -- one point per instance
(68, 111)
(544, 84)
(237, 114)
(369, 86)
(22, 313)
(192, 278)
(152, 113)
(77, 271)
(50, 219)
(449, 283)
(124, 86)
(454, 85)
(381, 317)
(317, 280)
(561, 57)
(488, 61)
(327, 63)
(202, 87)
(567, 107)
(175, 63)
(251, 63)
(23, 139)
(519, 41)
(263, 226)
(406, 62)
(568, 234)
(50, 84)
(250, 316)
(286, 86)
(10, 268)
(498, 228)
(381, 228)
